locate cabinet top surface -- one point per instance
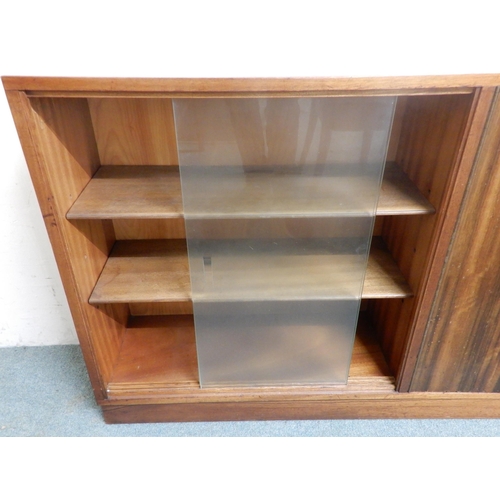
(249, 86)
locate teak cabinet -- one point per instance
(106, 157)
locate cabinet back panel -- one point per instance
(397, 124)
(155, 229)
(134, 131)
(161, 308)
(149, 229)
(430, 140)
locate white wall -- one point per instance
(194, 38)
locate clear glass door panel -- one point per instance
(279, 199)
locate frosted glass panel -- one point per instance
(261, 266)
(279, 199)
(275, 343)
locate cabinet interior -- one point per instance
(114, 172)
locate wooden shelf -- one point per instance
(130, 192)
(127, 192)
(158, 357)
(399, 196)
(158, 350)
(144, 271)
(158, 271)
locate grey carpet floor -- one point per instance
(45, 391)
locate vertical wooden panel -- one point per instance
(461, 350)
(134, 131)
(58, 142)
(431, 139)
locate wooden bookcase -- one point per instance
(102, 156)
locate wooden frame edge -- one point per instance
(19, 105)
(247, 85)
(378, 406)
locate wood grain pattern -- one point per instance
(128, 192)
(453, 198)
(134, 131)
(432, 138)
(149, 229)
(250, 86)
(160, 308)
(158, 350)
(144, 271)
(248, 228)
(383, 277)
(461, 350)
(158, 356)
(337, 406)
(158, 271)
(70, 152)
(58, 142)
(397, 124)
(400, 196)
(67, 149)
(147, 372)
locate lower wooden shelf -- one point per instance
(157, 361)
(155, 380)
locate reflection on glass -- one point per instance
(279, 200)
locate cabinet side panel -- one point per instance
(134, 131)
(429, 147)
(461, 350)
(58, 142)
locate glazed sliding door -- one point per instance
(279, 200)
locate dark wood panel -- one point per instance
(461, 350)
(432, 140)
